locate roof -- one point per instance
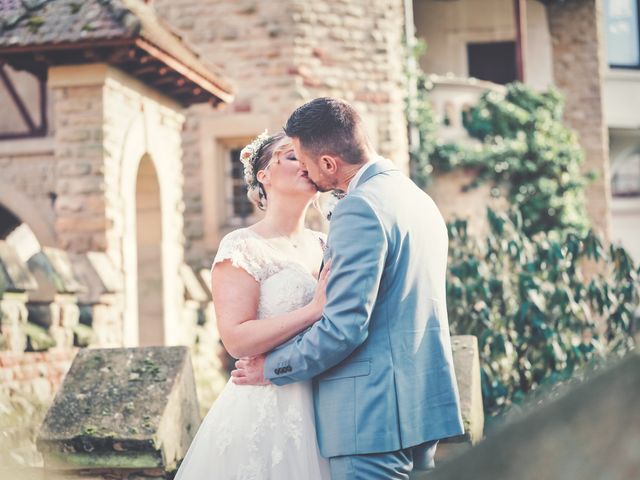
(119, 32)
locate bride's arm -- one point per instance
(235, 297)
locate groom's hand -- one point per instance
(250, 371)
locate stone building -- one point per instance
(281, 53)
(587, 49)
(91, 157)
(98, 152)
(119, 144)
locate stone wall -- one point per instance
(355, 50)
(578, 65)
(35, 373)
(79, 183)
(281, 54)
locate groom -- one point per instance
(380, 357)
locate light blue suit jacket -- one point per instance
(380, 357)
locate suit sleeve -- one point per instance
(358, 251)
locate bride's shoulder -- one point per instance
(242, 248)
(237, 235)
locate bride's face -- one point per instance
(283, 174)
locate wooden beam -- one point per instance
(92, 54)
(42, 83)
(165, 80)
(24, 113)
(190, 89)
(185, 71)
(145, 70)
(520, 11)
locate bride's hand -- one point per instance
(320, 297)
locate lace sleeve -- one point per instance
(239, 248)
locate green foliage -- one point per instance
(38, 338)
(538, 315)
(421, 119)
(525, 150)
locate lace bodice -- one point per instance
(285, 284)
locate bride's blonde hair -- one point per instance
(257, 160)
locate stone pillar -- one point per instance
(106, 125)
(466, 359)
(578, 64)
(81, 222)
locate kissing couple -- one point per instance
(346, 371)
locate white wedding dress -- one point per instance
(260, 432)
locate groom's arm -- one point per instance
(358, 251)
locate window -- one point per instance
(239, 209)
(623, 33)
(625, 176)
(495, 61)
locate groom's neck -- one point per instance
(351, 169)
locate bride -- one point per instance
(265, 292)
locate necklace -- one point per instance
(294, 244)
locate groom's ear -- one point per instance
(329, 164)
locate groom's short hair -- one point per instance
(329, 126)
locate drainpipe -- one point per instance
(412, 87)
(520, 10)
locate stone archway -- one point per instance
(149, 255)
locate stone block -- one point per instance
(591, 432)
(466, 361)
(128, 410)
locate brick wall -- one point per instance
(35, 373)
(578, 64)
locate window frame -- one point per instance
(634, 67)
(630, 157)
(229, 218)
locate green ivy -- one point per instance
(537, 314)
(527, 153)
(421, 118)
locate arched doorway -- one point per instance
(149, 254)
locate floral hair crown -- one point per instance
(248, 157)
